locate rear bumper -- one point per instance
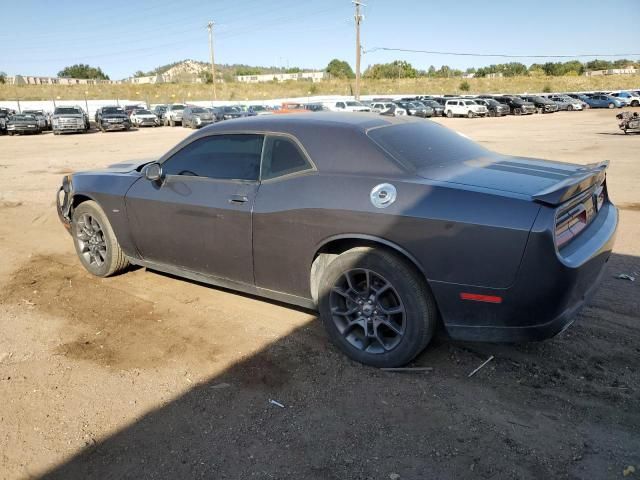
(551, 287)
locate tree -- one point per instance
(395, 69)
(3, 77)
(206, 77)
(339, 69)
(140, 73)
(81, 70)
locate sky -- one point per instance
(123, 36)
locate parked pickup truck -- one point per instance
(69, 119)
(173, 114)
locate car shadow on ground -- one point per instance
(566, 407)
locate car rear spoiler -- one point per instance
(564, 190)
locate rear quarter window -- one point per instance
(418, 145)
(282, 157)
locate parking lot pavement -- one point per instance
(148, 376)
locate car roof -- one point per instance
(350, 149)
(287, 123)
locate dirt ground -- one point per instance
(148, 376)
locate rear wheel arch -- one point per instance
(334, 246)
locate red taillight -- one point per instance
(575, 217)
(480, 298)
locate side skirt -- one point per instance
(226, 283)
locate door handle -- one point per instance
(238, 199)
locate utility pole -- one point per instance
(358, 19)
(213, 66)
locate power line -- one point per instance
(503, 55)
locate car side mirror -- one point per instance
(153, 172)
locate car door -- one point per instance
(199, 216)
(280, 230)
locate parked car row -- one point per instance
(73, 119)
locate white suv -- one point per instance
(464, 107)
(347, 106)
(379, 107)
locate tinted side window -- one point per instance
(282, 157)
(234, 157)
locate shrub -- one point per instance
(547, 88)
(464, 86)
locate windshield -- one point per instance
(177, 107)
(111, 110)
(470, 102)
(431, 103)
(198, 110)
(23, 117)
(258, 108)
(66, 111)
(32, 112)
(420, 145)
(354, 104)
(143, 112)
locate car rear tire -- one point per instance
(94, 240)
(449, 114)
(611, 105)
(376, 307)
(635, 103)
(470, 114)
(172, 123)
(517, 111)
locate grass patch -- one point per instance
(239, 92)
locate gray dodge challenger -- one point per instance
(388, 226)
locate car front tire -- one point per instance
(611, 105)
(449, 114)
(376, 307)
(95, 243)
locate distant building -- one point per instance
(32, 80)
(629, 70)
(149, 79)
(468, 75)
(283, 77)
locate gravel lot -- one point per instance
(147, 376)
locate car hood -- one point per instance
(521, 175)
(68, 115)
(21, 121)
(124, 167)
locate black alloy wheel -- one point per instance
(376, 307)
(367, 311)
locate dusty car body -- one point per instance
(19, 124)
(401, 225)
(70, 119)
(142, 117)
(196, 117)
(112, 118)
